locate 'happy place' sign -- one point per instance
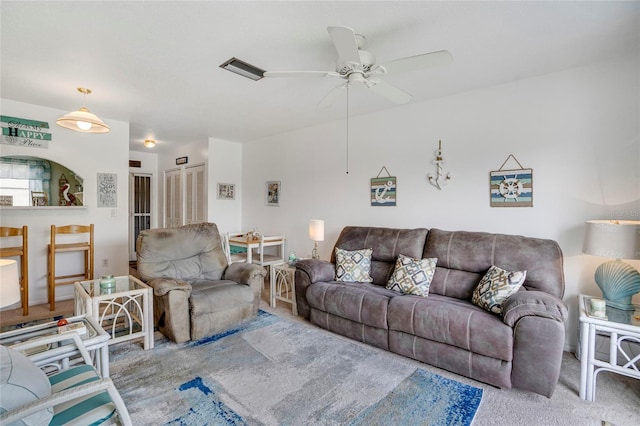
(24, 132)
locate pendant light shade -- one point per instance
(82, 120)
(149, 143)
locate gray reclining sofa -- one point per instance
(522, 348)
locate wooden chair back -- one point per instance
(21, 251)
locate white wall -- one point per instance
(577, 129)
(87, 155)
(225, 166)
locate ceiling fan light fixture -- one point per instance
(83, 120)
(243, 68)
(149, 143)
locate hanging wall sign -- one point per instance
(107, 190)
(383, 190)
(25, 132)
(182, 160)
(511, 188)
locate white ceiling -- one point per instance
(156, 64)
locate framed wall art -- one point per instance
(226, 191)
(107, 190)
(39, 199)
(383, 190)
(273, 189)
(511, 188)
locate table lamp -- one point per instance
(616, 239)
(316, 233)
(9, 282)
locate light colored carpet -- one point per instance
(276, 372)
(373, 378)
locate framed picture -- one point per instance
(273, 193)
(107, 190)
(6, 200)
(383, 191)
(511, 188)
(226, 191)
(39, 199)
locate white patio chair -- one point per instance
(75, 395)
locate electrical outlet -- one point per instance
(105, 263)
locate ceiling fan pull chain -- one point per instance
(347, 128)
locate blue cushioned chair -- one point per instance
(77, 395)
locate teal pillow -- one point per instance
(22, 382)
(495, 288)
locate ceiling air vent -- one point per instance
(242, 68)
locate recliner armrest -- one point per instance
(533, 303)
(317, 270)
(244, 273)
(164, 285)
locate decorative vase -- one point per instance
(107, 281)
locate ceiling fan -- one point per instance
(356, 65)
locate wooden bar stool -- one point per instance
(54, 248)
(23, 252)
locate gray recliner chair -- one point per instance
(196, 292)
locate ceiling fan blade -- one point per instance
(300, 74)
(332, 96)
(388, 91)
(433, 59)
(344, 40)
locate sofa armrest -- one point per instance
(317, 270)
(538, 320)
(310, 271)
(162, 286)
(533, 303)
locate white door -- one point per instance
(140, 202)
(173, 198)
(195, 194)
(185, 195)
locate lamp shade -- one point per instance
(9, 283)
(316, 230)
(83, 121)
(617, 239)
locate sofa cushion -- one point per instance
(412, 276)
(353, 266)
(495, 287)
(454, 322)
(387, 244)
(464, 257)
(360, 302)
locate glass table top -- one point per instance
(122, 284)
(614, 315)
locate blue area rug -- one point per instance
(272, 371)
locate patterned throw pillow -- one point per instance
(412, 276)
(353, 266)
(495, 287)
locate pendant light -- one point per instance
(82, 120)
(149, 143)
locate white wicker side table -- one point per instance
(124, 311)
(621, 327)
(283, 286)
